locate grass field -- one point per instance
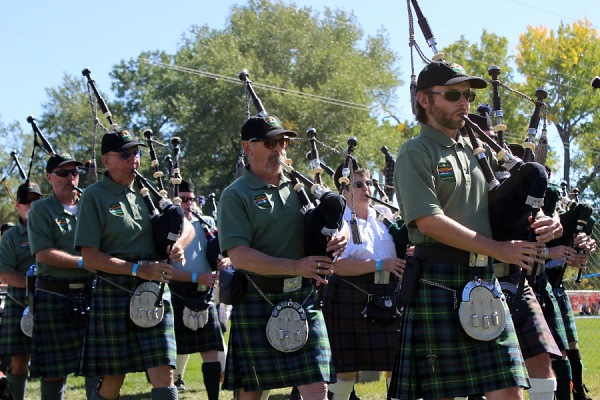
(137, 388)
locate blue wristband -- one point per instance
(194, 277)
(379, 265)
(80, 263)
(134, 269)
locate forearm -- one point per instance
(354, 267)
(13, 278)
(96, 260)
(57, 258)
(251, 260)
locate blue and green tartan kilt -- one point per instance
(12, 339)
(436, 358)
(254, 365)
(56, 343)
(535, 336)
(207, 338)
(114, 345)
(357, 343)
(562, 298)
(554, 318)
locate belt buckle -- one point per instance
(477, 260)
(76, 286)
(292, 284)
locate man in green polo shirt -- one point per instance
(15, 260)
(261, 230)
(442, 194)
(57, 339)
(115, 235)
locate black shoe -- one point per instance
(295, 394)
(581, 394)
(179, 383)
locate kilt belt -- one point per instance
(278, 285)
(449, 255)
(57, 287)
(503, 270)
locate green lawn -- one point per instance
(136, 386)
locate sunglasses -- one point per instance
(360, 184)
(63, 173)
(270, 144)
(187, 199)
(455, 96)
(125, 154)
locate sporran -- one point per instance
(381, 308)
(482, 314)
(142, 309)
(195, 312)
(77, 306)
(27, 322)
(287, 329)
(519, 310)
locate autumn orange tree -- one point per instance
(564, 62)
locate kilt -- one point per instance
(254, 365)
(207, 338)
(534, 334)
(358, 343)
(562, 298)
(56, 342)
(114, 345)
(436, 358)
(552, 313)
(12, 339)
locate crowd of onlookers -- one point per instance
(589, 310)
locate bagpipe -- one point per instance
(167, 218)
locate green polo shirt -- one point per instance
(435, 174)
(50, 226)
(114, 219)
(15, 254)
(261, 216)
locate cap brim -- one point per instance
(276, 132)
(78, 163)
(131, 144)
(475, 82)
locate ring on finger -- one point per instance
(318, 265)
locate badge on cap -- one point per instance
(273, 121)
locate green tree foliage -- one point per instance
(561, 61)
(311, 70)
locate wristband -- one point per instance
(134, 269)
(194, 277)
(80, 263)
(379, 265)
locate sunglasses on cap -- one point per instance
(125, 154)
(360, 184)
(187, 199)
(270, 144)
(63, 173)
(455, 95)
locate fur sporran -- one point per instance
(142, 309)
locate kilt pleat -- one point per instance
(253, 364)
(437, 359)
(208, 338)
(114, 345)
(567, 314)
(12, 339)
(357, 343)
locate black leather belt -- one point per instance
(57, 287)
(278, 285)
(449, 255)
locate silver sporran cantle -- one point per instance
(142, 309)
(482, 311)
(287, 329)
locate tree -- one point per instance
(561, 62)
(310, 70)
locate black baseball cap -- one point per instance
(25, 188)
(118, 141)
(440, 73)
(58, 160)
(264, 126)
(186, 186)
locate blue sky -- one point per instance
(40, 41)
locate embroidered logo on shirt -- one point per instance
(116, 210)
(24, 243)
(62, 223)
(446, 172)
(262, 201)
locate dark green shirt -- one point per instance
(15, 254)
